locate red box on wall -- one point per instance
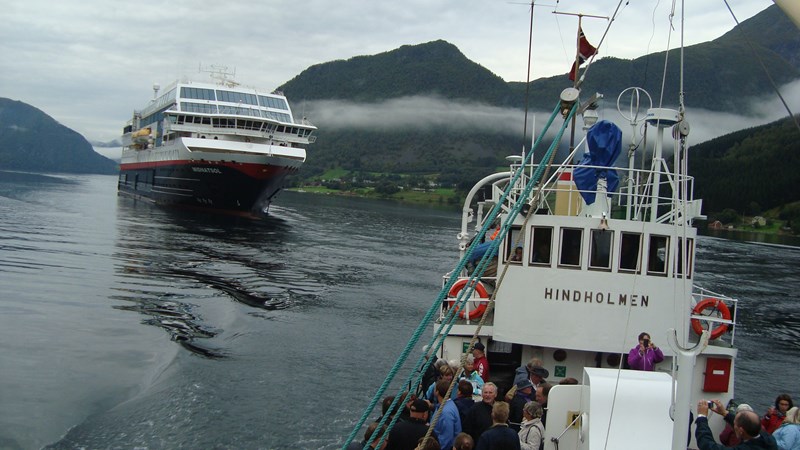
(718, 375)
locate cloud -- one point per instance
(426, 113)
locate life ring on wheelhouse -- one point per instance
(715, 306)
(479, 289)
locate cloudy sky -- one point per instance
(88, 64)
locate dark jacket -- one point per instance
(515, 410)
(498, 437)
(479, 419)
(464, 404)
(705, 438)
(406, 435)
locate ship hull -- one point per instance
(218, 178)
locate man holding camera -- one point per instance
(746, 425)
(646, 355)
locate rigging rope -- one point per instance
(444, 328)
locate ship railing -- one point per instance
(634, 198)
(715, 315)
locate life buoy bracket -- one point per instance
(709, 306)
(458, 286)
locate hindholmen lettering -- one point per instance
(600, 298)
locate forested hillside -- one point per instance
(750, 170)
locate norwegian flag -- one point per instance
(585, 51)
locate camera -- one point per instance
(710, 404)
(646, 342)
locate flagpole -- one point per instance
(576, 65)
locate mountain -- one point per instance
(30, 140)
(720, 76)
(436, 68)
(718, 73)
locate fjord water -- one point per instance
(125, 325)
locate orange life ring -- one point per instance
(714, 304)
(461, 284)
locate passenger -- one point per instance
(445, 374)
(522, 396)
(646, 355)
(728, 437)
(569, 381)
(532, 371)
(499, 436)
(542, 392)
(472, 375)
(449, 423)
(430, 444)
(517, 256)
(481, 363)
(464, 399)
(775, 414)
(788, 434)
(367, 436)
(463, 442)
(531, 433)
(405, 435)
(429, 377)
(745, 424)
(479, 417)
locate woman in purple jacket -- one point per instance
(646, 355)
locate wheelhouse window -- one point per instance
(657, 255)
(515, 243)
(272, 102)
(630, 250)
(571, 245)
(542, 245)
(197, 93)
(679, 259)
(600, 249)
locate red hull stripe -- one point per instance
(257, 171)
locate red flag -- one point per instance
(585, 51)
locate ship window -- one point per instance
(237, 97)
(514, 245)
(679, 262)
(272, 102)
(206, 121)
(571, 241)
(657, 255)
(199, 108)
(542, 246)
(197, 93)
(600, 249)
(280, 129)
(629, 251)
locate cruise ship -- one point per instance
(214, 146)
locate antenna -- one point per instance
(156, 88)
(221, 74)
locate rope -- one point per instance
(444, 329)
(515, 210)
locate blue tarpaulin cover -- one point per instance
(605, 142)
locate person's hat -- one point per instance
(523, 384)
(419, 405)
(540, 371)
(479, 346)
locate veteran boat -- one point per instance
(566, 260)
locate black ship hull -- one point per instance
(228, 187)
